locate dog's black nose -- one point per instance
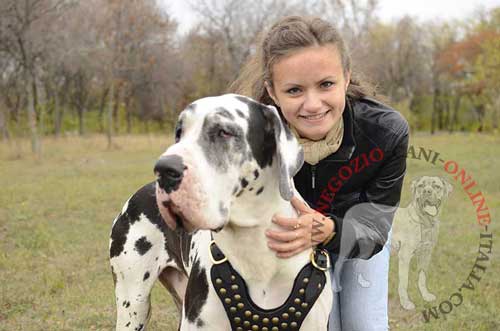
(169, 170)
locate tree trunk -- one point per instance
(110, 116)
(81, 112)
(102, 105)
(116, 104)
(36, 147)
(128, 113)
(454, 119)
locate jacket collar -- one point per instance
(348, 145)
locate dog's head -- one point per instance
(227, 149)
(429, 192)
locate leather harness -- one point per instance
(245, 315)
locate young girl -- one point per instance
(355, 151)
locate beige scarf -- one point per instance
(315, 151)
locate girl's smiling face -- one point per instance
(310, 86)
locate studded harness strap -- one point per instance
(245, 315)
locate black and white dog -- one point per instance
(229, 171)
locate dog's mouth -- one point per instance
(175, 214)
(431, 207)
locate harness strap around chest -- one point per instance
(244, 314)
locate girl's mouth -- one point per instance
(315, 118)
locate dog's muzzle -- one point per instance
(169, 170)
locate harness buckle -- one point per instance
(321, 261)
(214, 261)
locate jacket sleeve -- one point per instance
(363, 231)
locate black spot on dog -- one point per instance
(126, 304)
(114, 275)
(235, 189)
(191, 107)
(250, 189)
(259, 191)
(127, 325)
(196, 292)
(240, 113)
(139, 328)
(224, 113)
(239, 193)
(260, 135)
(146, 276)
(223, 209)
(142, 245)
(222, 143)
(243, 182)
(200, 323)
(256, 173)
(142, 202)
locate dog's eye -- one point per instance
(224, 133)
(178, 133)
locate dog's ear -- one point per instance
(413, 185)
(289, 153)
(447, 186)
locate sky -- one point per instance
(388, 9)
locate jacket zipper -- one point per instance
(313, 172)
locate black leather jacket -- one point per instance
(368, 167)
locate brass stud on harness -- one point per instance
(234, 287)
(239, 329)
(232, 310)
(285, 315)
(275, 320)
(246, 324)
(237, 297)
(233, 277)
(293, 325)
(304, 304)
(306, 280)
(255, 317)
(297, 301)
(265, 328)
(284, 325)
(302, 291)
(237, 320)
(255, 328)
(223, 291)
(248, 313)
(265, 320)
(227, 300)
(298, 314)
(274, 328)
(240, 305)
(218, 281)
(291, 309)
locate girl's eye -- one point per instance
(327, 84)
(293, 90)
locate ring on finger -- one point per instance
(296, 226)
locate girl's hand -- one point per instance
(310, 228)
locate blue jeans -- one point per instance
(361, 305)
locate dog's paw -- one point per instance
(363, 282)
(428, 296)
(407, 304)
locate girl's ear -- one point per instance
(270, 91)
(347, 79)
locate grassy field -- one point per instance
(56, 214)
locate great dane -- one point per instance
(229, 171)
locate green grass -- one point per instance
(56, 214)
